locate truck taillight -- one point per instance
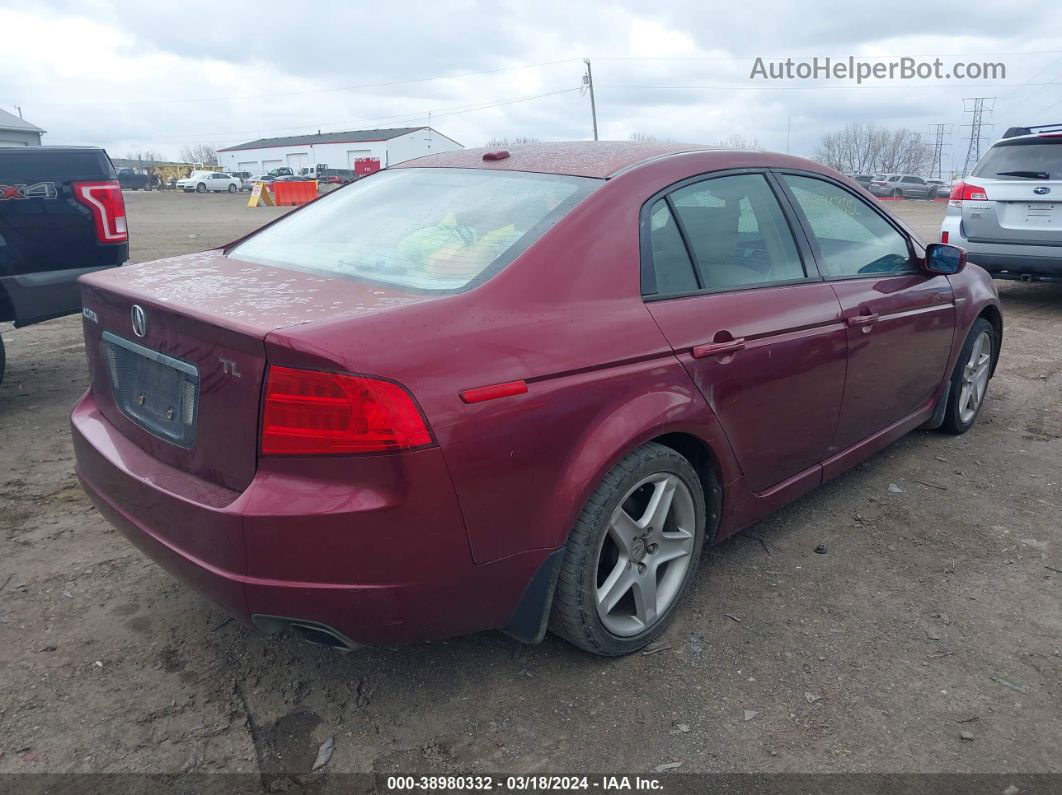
(964, 191)
(105, 202)
(311, 412)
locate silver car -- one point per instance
(1008, 213)
(897, 186)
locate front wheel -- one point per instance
(232, 188)
(632, 554)
(200, 188)
(969, 381)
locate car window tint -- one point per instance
(671, 262)
(853, 238)
(737, 232)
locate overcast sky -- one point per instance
(163, 73)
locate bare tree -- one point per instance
(646, 138)
(737, 141)
(147, 157)
(867, 148)
(200, 154)
(519, 139)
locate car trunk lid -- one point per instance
(177, 351)
(1026, 211)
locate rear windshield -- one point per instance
(34, 164)
(438, 229)
(1034, 159)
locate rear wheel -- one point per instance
(969, 381)
(632, 553)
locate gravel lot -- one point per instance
(936, 610)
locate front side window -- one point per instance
(853, 238)
(427, 228)
(737, 232)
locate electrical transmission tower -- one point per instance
(941, 141)
(977, 107)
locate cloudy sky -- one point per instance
(159, 74)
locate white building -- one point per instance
(335, 150)
(16, 131)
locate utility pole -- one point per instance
(588, 81)
(19, 107)
(940, 132)
(976, 107)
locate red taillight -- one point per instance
(104, 200)
(944, 237)
(306, 411)
(964, 191)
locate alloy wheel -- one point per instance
(645, 554)
(975, 377)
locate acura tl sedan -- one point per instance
(516, 390)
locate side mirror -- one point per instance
(943, 259)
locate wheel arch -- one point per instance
(992, 314)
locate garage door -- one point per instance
(250, 166)
(356, 154)
(297, 161)
(269, 165)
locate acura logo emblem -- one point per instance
(1041, 190)
(139, 317)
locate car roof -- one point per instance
(601, 159)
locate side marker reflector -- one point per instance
(481, 393)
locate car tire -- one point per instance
(200, 188)
(232, 188)
(969, 381)
(604, 602)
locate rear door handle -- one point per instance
(718, 348)
(862, 320)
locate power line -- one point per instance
(387, 84)
(396, 119)
(830, 85)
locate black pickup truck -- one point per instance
(61, 215)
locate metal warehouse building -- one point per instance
(15, 131)
(335, 150)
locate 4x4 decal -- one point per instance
(38, 190)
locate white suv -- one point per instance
(1008, 213)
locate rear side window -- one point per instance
(853, 238)
(426, 228)
(1035, 160)
(737, 233)
(671, 262)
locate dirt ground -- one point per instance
(937, 609)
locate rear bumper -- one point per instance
(35, 297)
(1006, 260)
(380, 558)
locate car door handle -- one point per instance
(862, 320)
(718, 348)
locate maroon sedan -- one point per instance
(516, 390)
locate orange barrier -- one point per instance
(290, 193)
